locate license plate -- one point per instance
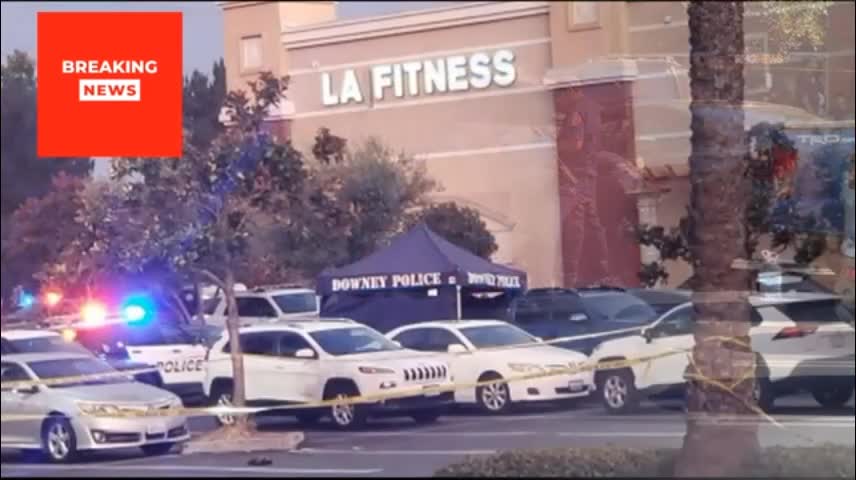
(576, 385)
(837, 341)
(432, 391)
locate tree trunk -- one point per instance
(722, 373)
(233, 326)
(200, 306)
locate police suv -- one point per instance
(263, 304)
(24, 341)
(177, 353)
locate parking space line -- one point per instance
(313, 451)
(209, 469)
(622, 434)
(441, 434)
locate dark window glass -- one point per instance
(290, 343)
(255, 307)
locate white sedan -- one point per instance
(75, 413)
(483, 350)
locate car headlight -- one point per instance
(376, 370)
(524, 367)
(98, 409)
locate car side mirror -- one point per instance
(457, 348)
(539, 339)
(305, 353)
(31, 390)
(397, 344)
(648, 335)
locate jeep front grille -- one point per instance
(425, 373)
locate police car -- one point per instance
(23, 341)
(264, 304)
(178, 354)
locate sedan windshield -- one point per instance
(297, 302)
(46, 345)
(75, 367)
(497, 336)
(351, 341)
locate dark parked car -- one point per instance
(557, 313)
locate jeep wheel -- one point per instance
(347, 416)
(221, 396)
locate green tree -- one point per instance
(193, 216)
(203, 99)
(23, 174)
(462, 226)
(768, 218)
(353, 202)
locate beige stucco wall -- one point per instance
(460, 136)
(493, 149)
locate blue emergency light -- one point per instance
(138, 309)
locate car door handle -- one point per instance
(137, 352)
(176, 350)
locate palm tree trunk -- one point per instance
(721, 371)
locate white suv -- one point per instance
(306, 361)
(264, 304)
(804, 342)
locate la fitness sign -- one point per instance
(456, 73)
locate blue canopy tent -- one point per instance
(420, 276)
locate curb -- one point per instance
(258, 442)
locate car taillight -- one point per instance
(794, 332)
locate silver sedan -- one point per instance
(88, 409)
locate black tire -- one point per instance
(763, 394)
(221, 396)
(493, 399)
(59, 442)
(346, 417)
(309, 418)
(426, 417)
(833, 394)
(157, 449)
(617, 389)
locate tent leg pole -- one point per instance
(458, 298)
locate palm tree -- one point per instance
(722, 372)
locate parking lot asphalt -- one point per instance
(397, 447)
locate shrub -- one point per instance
(827, 461)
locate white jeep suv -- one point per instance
(307, 361)
(804, 342)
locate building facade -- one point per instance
(565, 124)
